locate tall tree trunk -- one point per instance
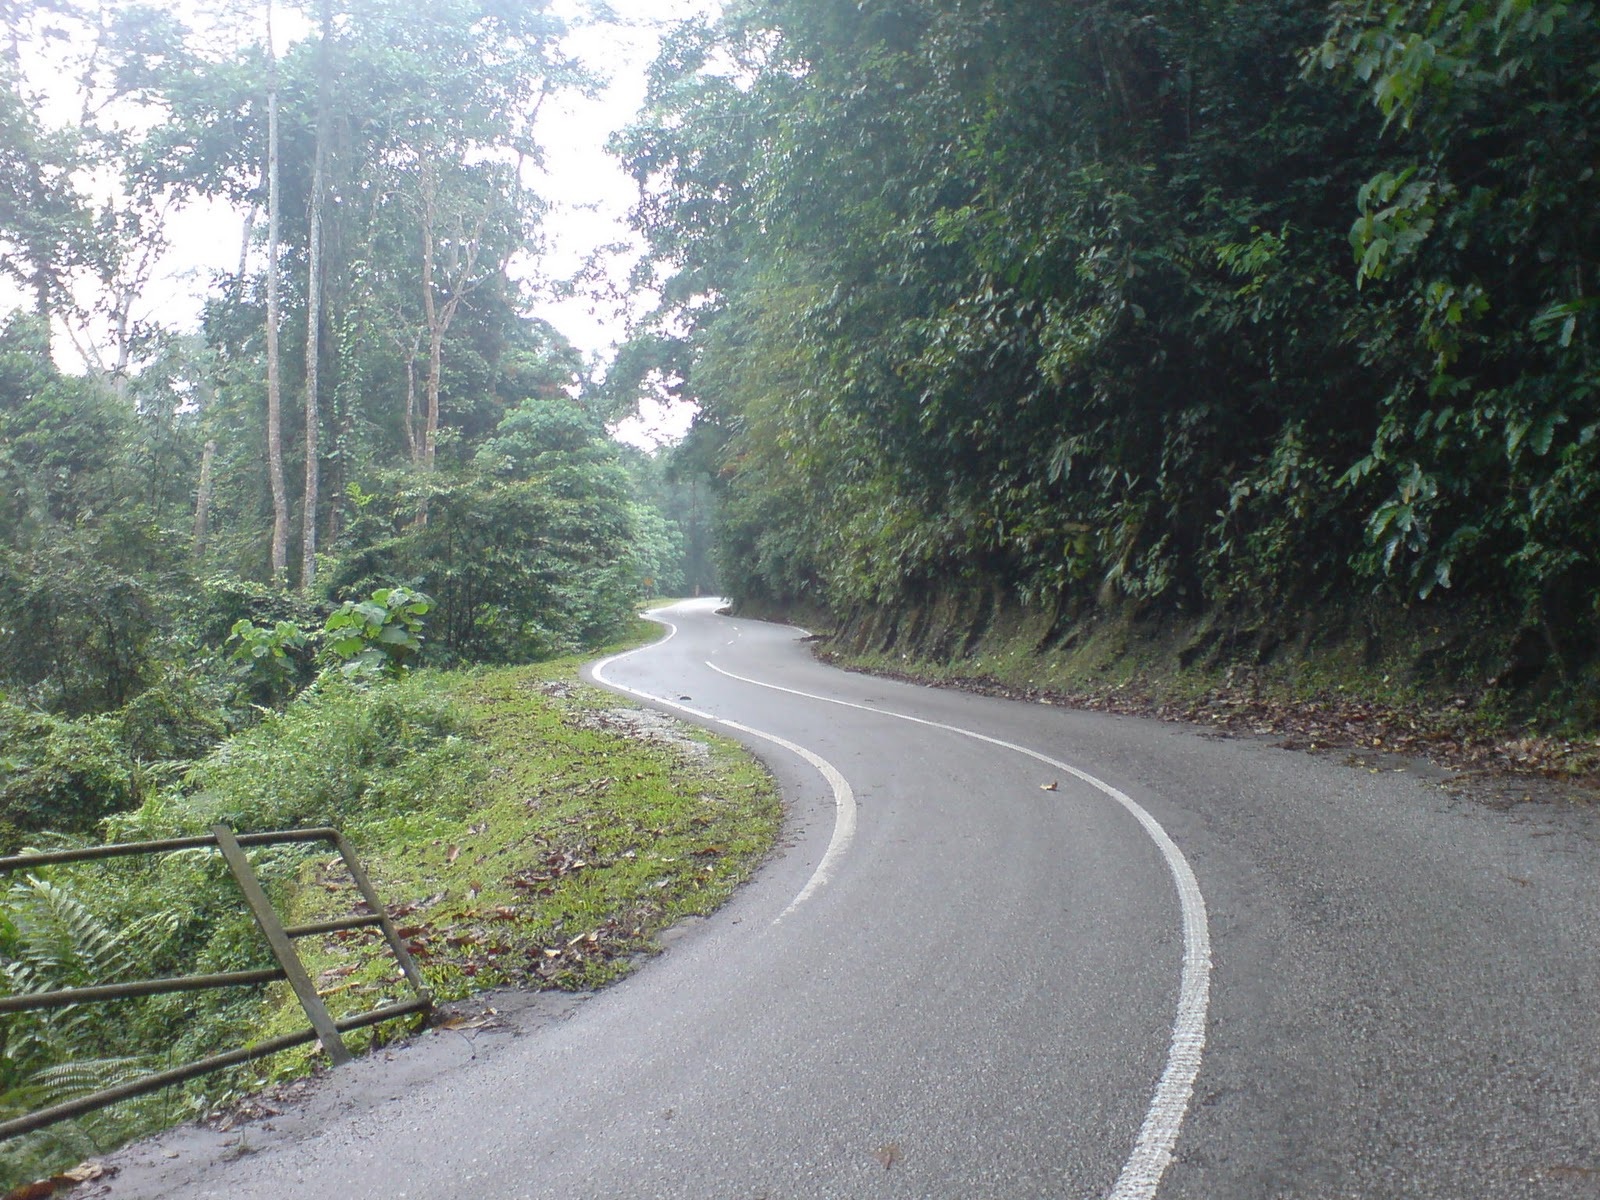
(430, 308)
(458, 280)
(244, 243)
(202, 499)
(280, 492)
(308, 511)
(413, 441)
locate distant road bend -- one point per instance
(1013, 951)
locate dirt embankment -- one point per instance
(1481, 700)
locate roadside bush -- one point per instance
(339, 754)
(61, 775)
(517, 570)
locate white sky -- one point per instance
(588, 194)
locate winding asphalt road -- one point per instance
(1013, 951)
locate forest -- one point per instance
(1241, 308)
(1237, 308)
(368, 404)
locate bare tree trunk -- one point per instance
(413, 443)
(430, 309)
(202, 499)
(308, 513)
(244, 241)
(458, 281)
(435, 326)
(280, 492)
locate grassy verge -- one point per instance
(593, 827)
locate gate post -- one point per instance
(282, 946)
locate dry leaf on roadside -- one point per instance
(86, 1171)
(460, 1022)
(1049, 787)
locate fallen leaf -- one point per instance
(460, 1022)
(1568, 1172)
(85, 1171)
(452, 854)
(888, 1154)
(1049, 787)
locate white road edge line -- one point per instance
(1153, 1149)
(844, 799)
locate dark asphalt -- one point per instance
(979, 1000)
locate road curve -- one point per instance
(1014, 951)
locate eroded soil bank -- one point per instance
(1496, 708)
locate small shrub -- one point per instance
(380, 635)
(60, 774)
(337, 755)
(175, 720)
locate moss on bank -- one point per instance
(1456, 683)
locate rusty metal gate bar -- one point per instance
(280, 939)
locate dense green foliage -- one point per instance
(460, 447)
(1228, 304)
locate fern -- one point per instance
(65, 1081)
(38, 1154)
(54, 939)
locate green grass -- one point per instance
(577, 847)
